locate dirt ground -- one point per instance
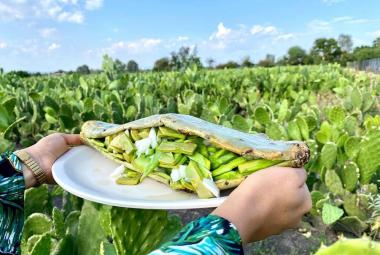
(305, 240)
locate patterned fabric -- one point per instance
(211, 235)
(11, 211)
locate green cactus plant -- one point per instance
(89, 222)
(303, 127)
(140, 231)
(352, 147)
(263, 114)
(331, 213)
(328, 155)
(369, 156)
(351, 247)
(336, 115)
(356, 98)
(333, 183)
(350, 176)
(42, 246)
(294, 132)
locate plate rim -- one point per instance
(58, 167)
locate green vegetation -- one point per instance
(334, 110)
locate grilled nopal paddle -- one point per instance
(188, 153)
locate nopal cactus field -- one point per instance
(336, 111)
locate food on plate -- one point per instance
(188, 153)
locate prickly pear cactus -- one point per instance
(294, 132)
(328, 155)
(89, 223)
(36, 224)
(42, 245)
(107, 248)
(58, 223)
(324, 134)
(350, 176)
(351, 147)
(275, 131)
(303, 127)
(356, 98)
(263, 114)
(138, 231)
(351, 247)
(351, 224)
(331, 213)
(283, 110)
(333, 183)
(354, 206)
(369, 156)
(336, 116)
(351, 125)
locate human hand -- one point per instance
(267, 202)
(46, 152)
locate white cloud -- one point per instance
(182, 38)
(59, 10)
(74, 17)
(318, 25)
(47, 32)
(54, 46)
(222, 32)
(263, 30)
(8, 12)
(285, 37)
(93, 4)
(141, 45)
(342, 18)
(376, 33)
(3, 45)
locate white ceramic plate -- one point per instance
(85, 173)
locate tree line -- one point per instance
(323, 51)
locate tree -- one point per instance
(184, 58)
(365, 52)
(297, 56)
(268, 61)
(210, 62)
(230, 64)
(325, 51)
(132, 66)
(376, 42)
(162, 64)
(247, 62)
(345, 42)
(83, 69)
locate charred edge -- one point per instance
(183, 131)
(302, 155)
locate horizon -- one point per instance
(47, 35)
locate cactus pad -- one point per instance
(350, 176)
(328, 155)
(369, 156)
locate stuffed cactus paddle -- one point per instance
(188, 153)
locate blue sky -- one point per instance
(47, 35)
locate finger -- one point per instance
(302, 174)
(307, 203)
(72, 139)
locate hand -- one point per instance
(46, 152)
(267, 202)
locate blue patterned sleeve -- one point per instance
(11, 212)
(211, 235)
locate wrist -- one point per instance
(30, 180)
(247, 225)
(33, 170)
